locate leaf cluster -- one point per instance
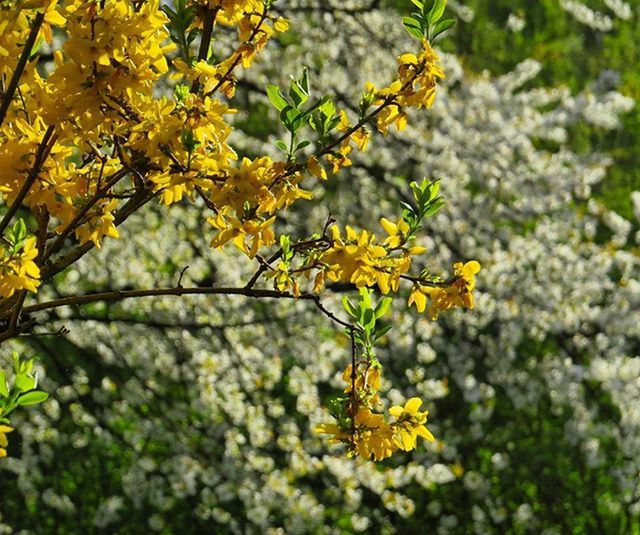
(181, 18)
(22, 391)
(425, 23)
(427, 203)
(294, 115)
(367, 330)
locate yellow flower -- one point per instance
(4, 429)
(316, 169)
(458, 294)
(397, 232)
(332, 429)
(18, 271)
(409, 424)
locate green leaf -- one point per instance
(435, 206)
(276, 98)
(368, 320)
(327, 106)
(303, 144)
(24, 382)
(299, 90)
(413, 28)
(304, 81)
(349, 307)
(282, 145)
(32, 398)
(437, 11)
(383, 306)
(318, 105)
(4, 389)
(365, 297)
(434, 189)
(288, 115)
(441, 27)
(417, 3)
(382, 331)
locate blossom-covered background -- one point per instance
(195, 415)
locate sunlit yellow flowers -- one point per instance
(367, 433)
(457, 294)
(18, 271)
(397, 232)
(409, 424)
(4, 429)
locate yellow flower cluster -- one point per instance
(360, 259)
(248, 196)
(18, 271)
(370, 434)
(415, 88)
(106, 68)
(4, 429)
(100, 100)
(457, 294)
(255, 29)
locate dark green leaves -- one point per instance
(427, 203)
(22, 391)
(295, 113)
(367, 329)
(181, 18)
(425, 23)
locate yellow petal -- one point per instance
(413, 405)
(390, 227)
(424, 433)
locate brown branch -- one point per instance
(238, 57)
(22, 63)
(131, 206)
(57, 244)
(208, 22)
(119, 295)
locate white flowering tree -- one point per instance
(179, 414)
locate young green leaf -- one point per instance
(24, 382)
(441, 27)
(276, 98)
(383, 306)
(413, 27)
(32, 398)
(349, 307)
(436, 11)
(4, 390)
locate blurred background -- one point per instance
(195, 415)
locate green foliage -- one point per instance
(181, 18)
(426, 23)
(22, 391)
(294, 115)
(427, 204)
(367, 331)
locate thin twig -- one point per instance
(208, 21)
(41, 155)
(119, 295)
(238, 57)
(22, 63)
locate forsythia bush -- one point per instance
(134, 106)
